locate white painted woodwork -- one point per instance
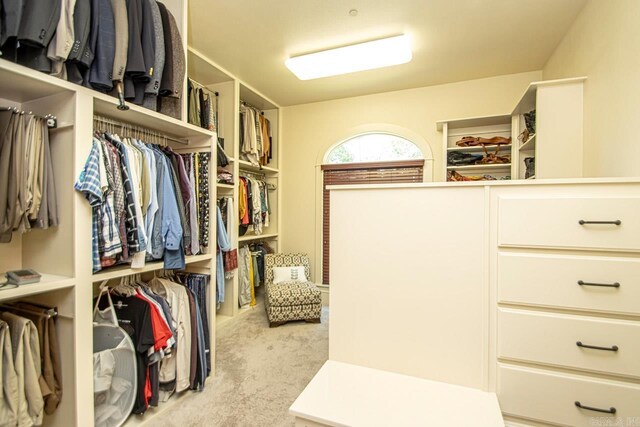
(400, 298)
(550, 396)
(504, 250)
(550, 338)
(342, 394)
(553, 222)
(551, 280)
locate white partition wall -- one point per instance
(393, 305)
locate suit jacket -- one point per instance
(122, 38)
(172, 84)
(39, 22)
(152, 88)
(102, 21)
(135, 60)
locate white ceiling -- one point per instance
(453, 40)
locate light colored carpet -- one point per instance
(260, 372)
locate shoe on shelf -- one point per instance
(456, 158)
(473, 141)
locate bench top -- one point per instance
(342, 394)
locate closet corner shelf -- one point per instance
(226, 186)
(258, 237)
(106, 105)
(530, 145)
(48, 283)
(125, 270)
(490, 148)
(503, 166)
(244, 165)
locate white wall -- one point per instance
(603, 44)
(401, 299)
(310, 129)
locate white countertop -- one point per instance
(503, 183)
(343, 395)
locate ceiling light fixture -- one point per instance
(349, 59)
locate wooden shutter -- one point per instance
(361, 173)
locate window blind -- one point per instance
(405, 171)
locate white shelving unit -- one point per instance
(556, 145)
(485, 127)
(63, 254)
(231, 92)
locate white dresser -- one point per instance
(527, 289)
(565, 268)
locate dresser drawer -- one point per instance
(550, 397)
(552, 280)
(552, 339)
(555, 223)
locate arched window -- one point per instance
(368, 158)
(373, 147)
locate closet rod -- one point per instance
(126, 126)
(50, 312)
(52, 121)
(201, 86)
(258, 175)
(246, 104)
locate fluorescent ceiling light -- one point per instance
(349, 59)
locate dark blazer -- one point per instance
(81, 28)
(172, 85)
(101, 74)
(135, 60)
(39, 22)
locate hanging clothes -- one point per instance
(167, 320)
(30, 361)
(254, 208)
(147, 202)
(27, 187)
(131, 48)
(255, 136)
(244, 276)
(223, 246)
(202, 105)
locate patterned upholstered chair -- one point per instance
(287, 301)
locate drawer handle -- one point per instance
(616, 222)
(603, 285)
(595, 347)
(611, 410)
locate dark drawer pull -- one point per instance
(603, 285)
(611, 410)
(595, 347)
(616, 222)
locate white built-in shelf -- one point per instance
(204, 70)
(225, 186)
(22, 84)
(126, 270)
(472, 122)
(530, 145)
(231, 159)
(478, 148)
(47, 283)
(62, 126)
(257, 237)
(105, 105)
(244, 165)
(501, 166)
(532, 177)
